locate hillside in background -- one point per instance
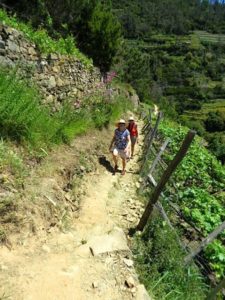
(173, 55)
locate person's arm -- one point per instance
(128, 143)
(112, 141)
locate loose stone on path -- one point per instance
(114, 241)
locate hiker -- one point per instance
(120, 145)
(132, 127)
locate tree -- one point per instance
(103, 37)
(215, 122)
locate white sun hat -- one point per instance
(131, 118)
(122, 121)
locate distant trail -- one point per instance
(82, 263)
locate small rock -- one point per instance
(94, 285)
(123, 288)
(53, 56)
(82, 168)
(2, 45)
(137, 184)
(8, 30)
(31, 51)
(129, 282)
(108, 243)
(140, 180)
(49, 98)
(128, 262)
(51, 82)
(55, 69)
(46, 249)
(59, 82)
(13, 46)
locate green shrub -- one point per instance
(217, 146)
(21, 116)
(196, 125)
(215, 122)
(24, 119)
(160, 264)
(10, 162)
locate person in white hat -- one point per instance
(120, 145)
(132, 127)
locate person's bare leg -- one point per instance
(132, 150)
(124, 166)
(115, 159)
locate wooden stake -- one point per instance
(205, 242)
(150, 138)
(158, 157)
(166, 175)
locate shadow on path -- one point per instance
(105, 163)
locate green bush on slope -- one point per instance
(159, 261)
(21, 116)
(24, 119)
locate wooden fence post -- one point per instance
(205, 242)
(147, 126)
(216, 290)
(158, 157)
(151, 136)
(166, 175)
(155, 162)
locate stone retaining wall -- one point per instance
(59, 77)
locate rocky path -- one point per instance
(92, 260)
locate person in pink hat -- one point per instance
(120, 145)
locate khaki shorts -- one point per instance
(121, 153)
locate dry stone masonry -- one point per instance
(59, 77)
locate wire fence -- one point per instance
(154, 148)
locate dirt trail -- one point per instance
(89, 261)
